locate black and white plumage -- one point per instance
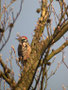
(24, 49)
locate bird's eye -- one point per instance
(23, 40)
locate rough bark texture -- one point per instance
(29, 70)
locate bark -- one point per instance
(29, 69)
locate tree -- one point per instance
(36, 69)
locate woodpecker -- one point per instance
(24, 49)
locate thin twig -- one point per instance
(10, 28)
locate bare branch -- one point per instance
(6, 74)
(11, 26)
(57, 50)
(6, 69)
(10, 81)
(53, 72)
(63, 60)
(43, 77)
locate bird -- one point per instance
(24, 49)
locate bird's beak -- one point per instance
(17, 38)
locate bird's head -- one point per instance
(22, 39)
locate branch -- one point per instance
(6, 75)
(41, 23)
(52, 73)
(11, 82)
(37, 80)
(18, 12)
(38, 49)
(6, 7)
(43, 77)
(53, 53)
(46, 79)
(6, 39)
(41, 62)
(56, 36)
(63, 60)
(60, 32)
(11, 26)
(6, 69)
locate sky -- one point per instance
(25, 25)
